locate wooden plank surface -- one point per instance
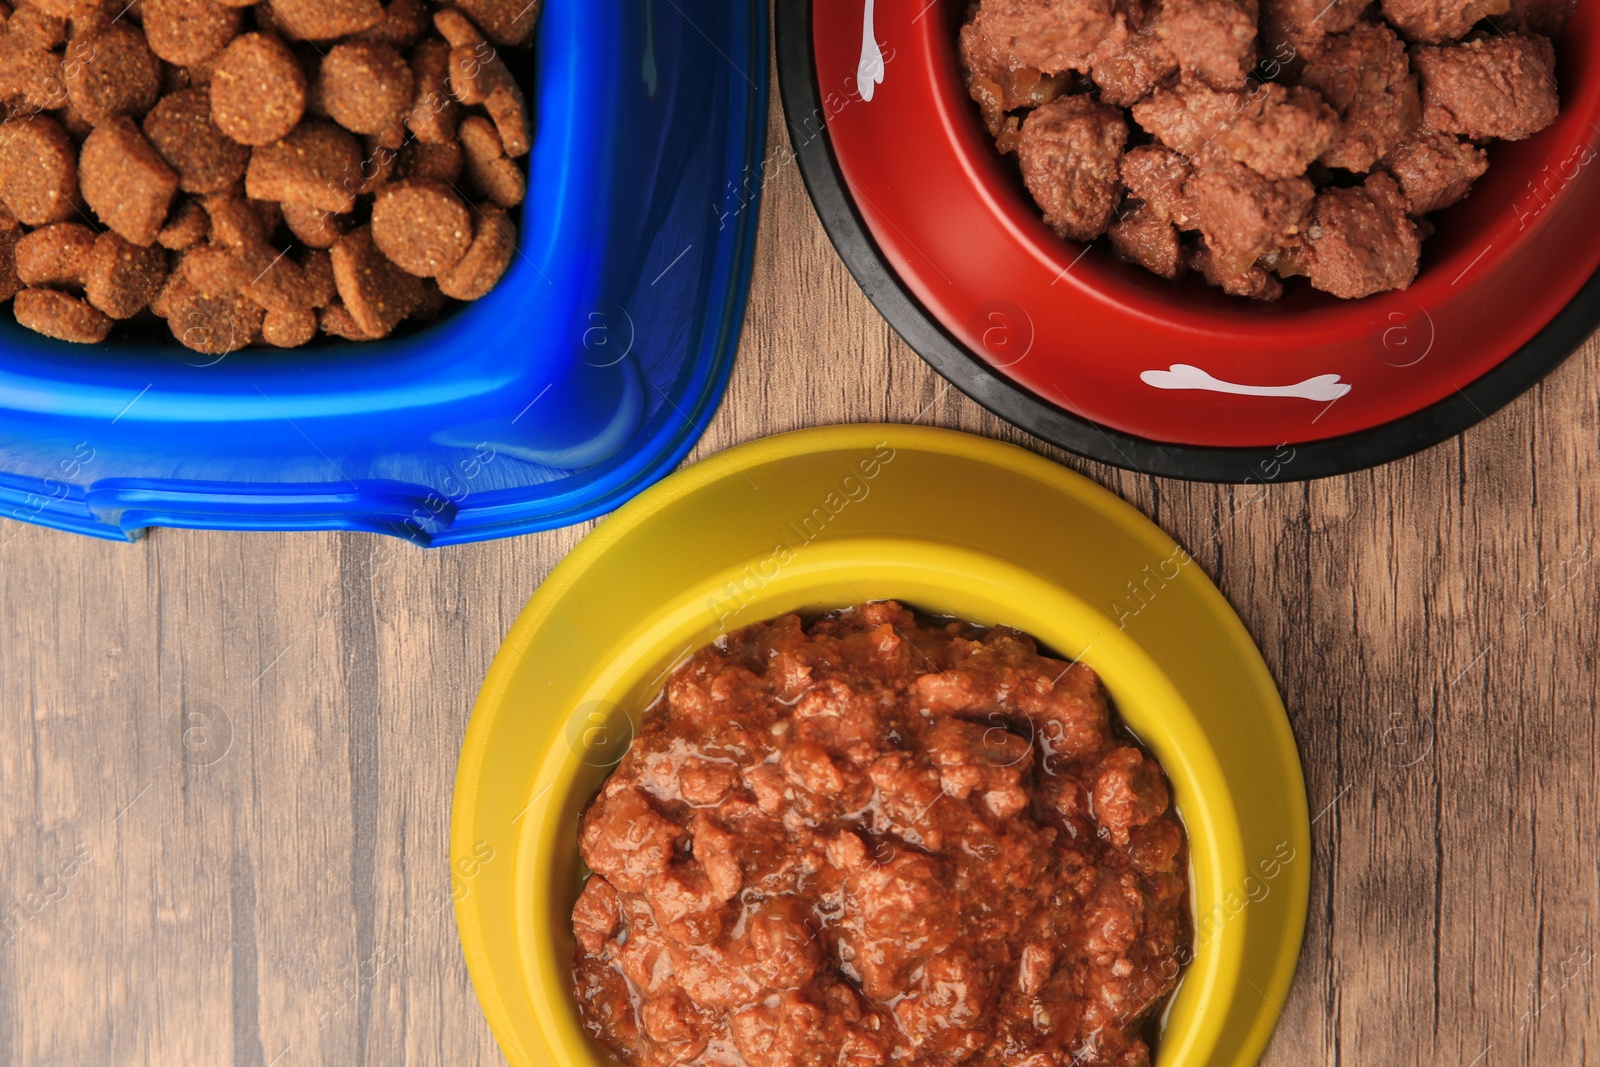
(226, 759)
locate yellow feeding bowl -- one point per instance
(948, 524)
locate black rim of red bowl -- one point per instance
(1422, 429)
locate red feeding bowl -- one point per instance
(1176, 378)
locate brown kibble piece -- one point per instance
(126, 181)
(213, 269)
(111, 71)
(235, 223)
(497, 177)
(56, 255)
(187, 32)
(10, 284)
(54, 10)
(379, 165)
(32, 75)
(432, 303)
(316, 266)
(276, 281)
(124, 278)
(187, 226)
(434, 112)
(336, 321)
(41, 24)
(378, 294)
(161, 306)
(485, 263)
(61, 316)
(366, 87)
(507, 22)
(270, 212)
(323, 20)
(258, 92)
(502, 181)
(289, 329)
(419, 159)
(212, 323)
(421, 226)
(457, 29)
(29, 66)
(510, 113)
(181, 128)
(313, 227)
(473, 72)
(38, 170)
(405, 22)
(318, 165)
(481, 141)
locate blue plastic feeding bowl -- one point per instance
(585, 376)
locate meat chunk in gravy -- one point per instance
(1365, 76)
(1053, 36)
(1275, 131)
(1489, 87)
(928, 844)
(1361, 241)
(1434, 21)
(1070, 150)
(1436, 170)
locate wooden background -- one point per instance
(226, 760)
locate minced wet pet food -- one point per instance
(880, 839)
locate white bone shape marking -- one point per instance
(869, 75)
(1325, 387)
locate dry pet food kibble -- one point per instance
(38, 170)
(261, 171)
(56, 255)
(258, 91)
(421, 226)
(182, 130)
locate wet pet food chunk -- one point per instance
(1489, 87)
(1361, 241)
(1366, 77)
(1436, 170)
(1440, 20)
(1275, 139)
(1070, 150)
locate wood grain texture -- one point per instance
(226, 759)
